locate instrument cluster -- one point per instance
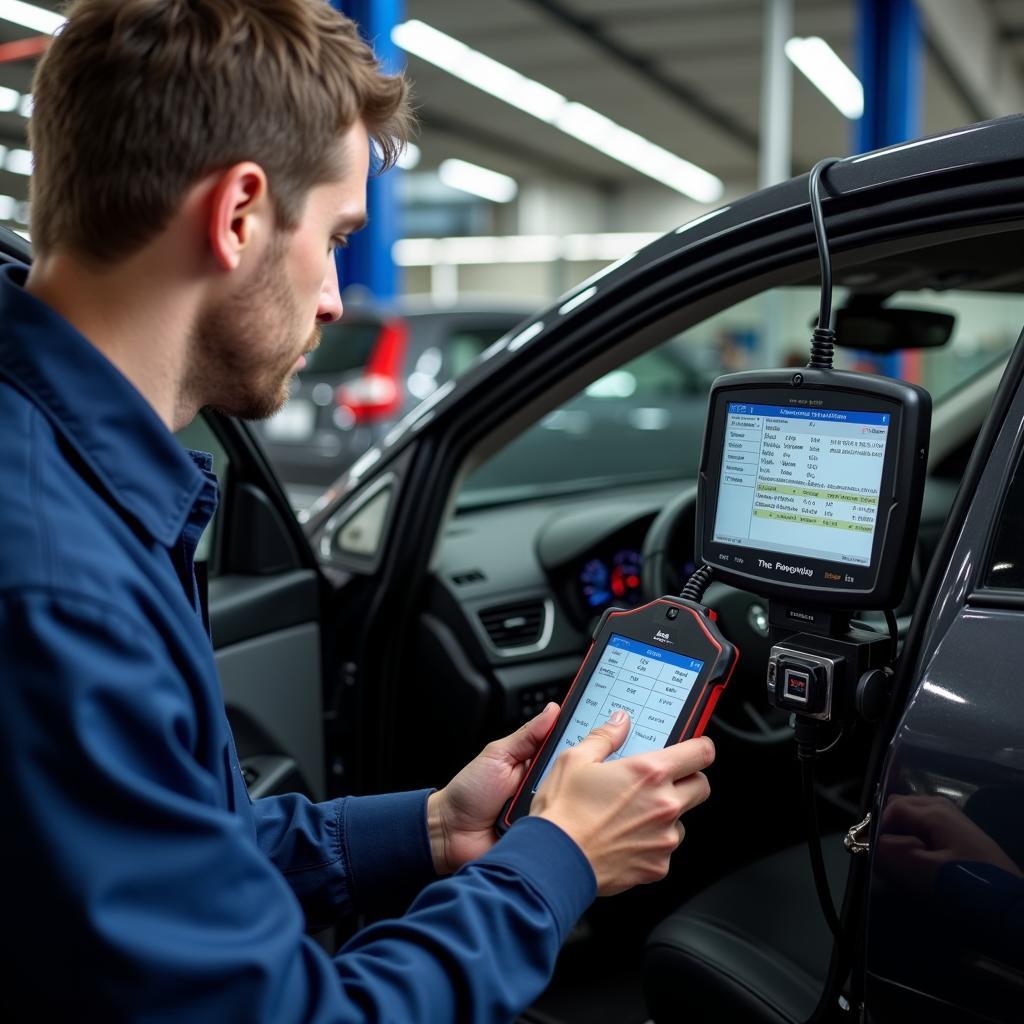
(613, 580)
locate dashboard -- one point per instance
(517, 590)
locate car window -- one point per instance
(465, 344)
(199, 437)
(1006, 562)
(344, 348)
(645, 420)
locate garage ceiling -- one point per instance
(686, 74)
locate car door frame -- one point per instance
(765, 240)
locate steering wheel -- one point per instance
(742, 617)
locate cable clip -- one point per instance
(856, 841)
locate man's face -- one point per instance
(249, 347)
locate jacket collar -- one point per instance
(97, 412)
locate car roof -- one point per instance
(943, 183)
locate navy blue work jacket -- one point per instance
(140, 883)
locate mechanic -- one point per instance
(196, 164)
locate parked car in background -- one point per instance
(371, 368)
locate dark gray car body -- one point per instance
(951, 947)
(917, 961)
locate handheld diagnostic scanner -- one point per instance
(665, 664)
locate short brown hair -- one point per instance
(137, 100)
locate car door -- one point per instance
(264, 606)
(945, 923)
(380, 528)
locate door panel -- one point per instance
(264, 607)
(272, 690)
(243, 607)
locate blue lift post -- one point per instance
(889, 66)
(368, 260)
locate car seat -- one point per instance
(753, 946)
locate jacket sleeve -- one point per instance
(168, 910)
(348, 856)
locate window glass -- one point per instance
(1006, 563)
(645, 420)
(199, 437)
(344, 348)
(463, 346)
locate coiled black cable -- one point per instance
(823, 338)
(697, 584)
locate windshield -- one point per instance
(645, 420)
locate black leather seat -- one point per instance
(752, 947)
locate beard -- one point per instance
(244, 350)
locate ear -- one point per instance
(239, 201)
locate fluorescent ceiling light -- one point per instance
(575, 119)
(410, 156)
(9, 99)
(26, 105)
(826, 71)
(12, 209)
(595, 248)
(19, 161)
(471, 66)
(478, 181)
(30, 16)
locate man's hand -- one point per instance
(624, 814)
(919, 834)
(461, 817)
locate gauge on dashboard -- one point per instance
(605, 582)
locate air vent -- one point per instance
(462, 579)
(515, 625)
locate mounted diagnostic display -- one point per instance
(810, 482)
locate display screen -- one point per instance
(649, 684)
(802, 481)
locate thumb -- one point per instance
(526, 740)
(607, 738)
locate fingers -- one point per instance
(527, 739)
(605, 739)
(682, 759)
(899, 845)
(915, 815)
(692, 790)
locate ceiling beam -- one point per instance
(594, 32)
(971, 47)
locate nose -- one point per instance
(330, 309)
